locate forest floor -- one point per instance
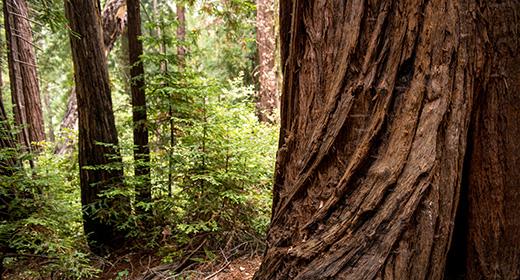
(142, 267)
(148, 267)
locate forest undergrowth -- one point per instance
(211, 147)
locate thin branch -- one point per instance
(25, 63)
(27, 41)
(218, 271)
(26, 18)
(156, 271)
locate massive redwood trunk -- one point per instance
(267, 102)
(114, 22)
(96, 125)
(375, 112)
(376, 109)
(137, 86)
(23, 73)
(493, 245)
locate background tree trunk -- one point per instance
(96, 125)
(23, 73)
(493, 245)
(267, 99)
(137, 85)
(69, 122)
(114, 22)
(49, 115)
(181, 63)
(376, 106)
(181, 34)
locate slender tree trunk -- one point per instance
(48, 109)
(181, 35)
(23, 73)
(267, 100)
(181, 63)
(142, 150)
(493, 245)
(69, 122)
(96, 125)
(158, 34)
(70, 119)
(376, 107)
(114, 22)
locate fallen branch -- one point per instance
(169, 267)
(218, 271)
(222, 268)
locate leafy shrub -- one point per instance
(44, 228)
(224, 165)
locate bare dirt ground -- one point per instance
(239, 269)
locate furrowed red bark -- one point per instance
(493, 244)
(376, 105)
(114, 21)
(96, 125)
(267, 99)
(137, 86)
(23, 73)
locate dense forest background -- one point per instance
(198, 192)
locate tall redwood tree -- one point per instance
(114, 21)
(97, 130)
(137, 87)
(377, 101)
(23, 73)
